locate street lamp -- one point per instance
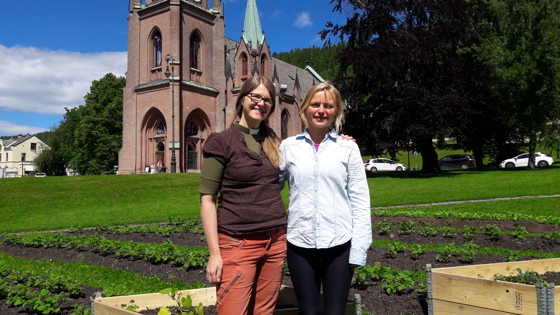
(172, 74)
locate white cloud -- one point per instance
(303, 19)
(43, 81)
(10, 128)
(275, 14)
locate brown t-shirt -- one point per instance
(249, 200)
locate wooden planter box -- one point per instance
(471, 290)
(112, 305)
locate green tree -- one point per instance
(408, 74)
(321, 59)
(524, 49)
(97, 136)
(52, 161)
(89, 137)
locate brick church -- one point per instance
(184, 76)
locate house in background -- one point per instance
(17, 155)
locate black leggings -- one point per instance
(310, 267)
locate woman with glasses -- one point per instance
(246, 236)
(329, 223)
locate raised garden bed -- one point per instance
(206, 296)
(473, 290)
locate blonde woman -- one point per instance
(329, 224)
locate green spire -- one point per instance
(252, 32)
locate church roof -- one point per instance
(252, 32)
(293, 76)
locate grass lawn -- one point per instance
(37, 204)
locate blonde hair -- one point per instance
(270, 144)
(339, 104)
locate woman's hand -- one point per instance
(209, 219)
(214, 269)
(347, 137)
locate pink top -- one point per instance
(316, 146)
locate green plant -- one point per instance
(446, 253)
(130, 307)
(468, 251)
(184, 304)
(399, 281)
(406, 227)
(427, 231)
(417, 251)
(384, 226)
(448, 232)
(393, 250)
(512, 256)
(493, 231)
(552, 236)
(523, 277)
(469, 232)
(520, 232)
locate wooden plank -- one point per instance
(112, 305)
(502, 296)
(557, 298)
(450, 308)
(506, 268)
(207, 296)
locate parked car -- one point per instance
(522, 160)
(40, 175)
(381, 164)
(456, 161)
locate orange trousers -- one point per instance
(252, 272)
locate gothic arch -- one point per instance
(196, 55)
(155, 46)
(264, 65)
(153, 135)
(244, 65)
(197, 129)
(285, 122)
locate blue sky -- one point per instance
(51, 51)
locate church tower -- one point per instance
(174, 83)
(184, 76)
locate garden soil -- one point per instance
(373, 298)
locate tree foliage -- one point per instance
(484, 72)
(89, 137)
(98, 133)
(408, 73)
(524, 49)
(321, 59)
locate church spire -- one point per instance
(252, 32)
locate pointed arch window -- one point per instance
(192, 154)
(263, 65)
(195, 51)
(157, 49)
(285, 118)
(244, 66)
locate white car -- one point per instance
(522, 160)
(381, 164)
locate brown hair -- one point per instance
(339, 104)
(270, 144)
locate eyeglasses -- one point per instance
(257, 98)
